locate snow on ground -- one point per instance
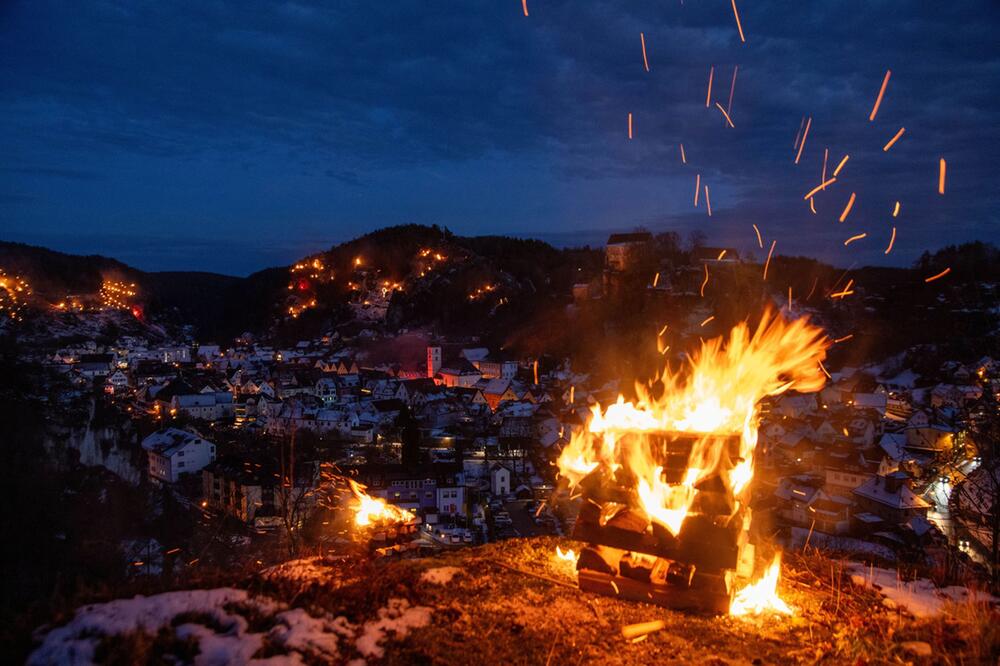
(439, 575)
(398, 617)
(920, 596)
(219, 622)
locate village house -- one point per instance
(890, 498)
(173, 452)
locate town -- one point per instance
(244, 438)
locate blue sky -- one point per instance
(231, 136)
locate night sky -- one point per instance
(230, 136)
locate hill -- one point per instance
(511, 602)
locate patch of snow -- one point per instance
(439, 575)
(920, 596)
(398, 617)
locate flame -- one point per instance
(368, 509)
(715, 400)
(569, 555)
(761, 597)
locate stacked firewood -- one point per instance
(631, 556)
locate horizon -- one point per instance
(229, 137)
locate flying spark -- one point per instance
(843, 339)
(708, 202)
(707, 320)
(684, 159)
(895, 210)
(847, 208)
(697, 188)
(768, 262)
(630, 126)
(798, 135)
(855, 238)
(645, 62)
(821, 186)
(738, 25)
(881, 92)
(939, 275)
(942, 168)
(760, 241)
(893, 140)
(841, 165)
(803, 143)
(892, 240)
(822, 178)
(728, 119)
(732, 88)
(705, 281)
(812, 205)
(708, 97)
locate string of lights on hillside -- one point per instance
(14, 294)
(117, 295)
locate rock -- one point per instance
(917, 648)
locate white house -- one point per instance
(173, 452)
(499, 480)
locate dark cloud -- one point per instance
(325, 119)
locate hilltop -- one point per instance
(510, 602)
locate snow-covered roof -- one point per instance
(904, 498)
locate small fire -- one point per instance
(370, 509)
(761, 597)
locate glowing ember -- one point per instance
(705, 282)
(841, 165)
(847, 208)
(729, 121)
(761, 597)
(878, 100)
(821, 186)
(767, 263)
(524, 6)
(895, 210)
(708, 96)
(938, 276)
(684, 159)
(802, 144)
(892, 241)
(855, 237)
(893, 140)
(630, 126)
(642, 40)
(697, 187)
(739, 26)
(942, 168)
(760, 241)
(369, 510)
(708, 202)
(732, 89)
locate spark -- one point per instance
(721, 255)
(841, 165)
(881, 92)
(825, 371)
(856, 237)
(815, 282)
(942, 168)
(895, 210)
(893, 140)
(804, 135)
(684, 159)
(656, 278)
(645, 62)
(705, 281)
(846, 292)
(732, 88)
(738, 25)
(662, 331)
(524, 5)
(535, 367)
(630, 126)
(798, 135)
(939, 275)
(812, 205)
(760, 241)
(707, 320)
(843, 339)
(708, 97)
(826, 153)
(892, 240)
(728, 119)
(768, 262)
(847, 208)
(697, 188)
(789, 298)
(708, 202)
(821, 186)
